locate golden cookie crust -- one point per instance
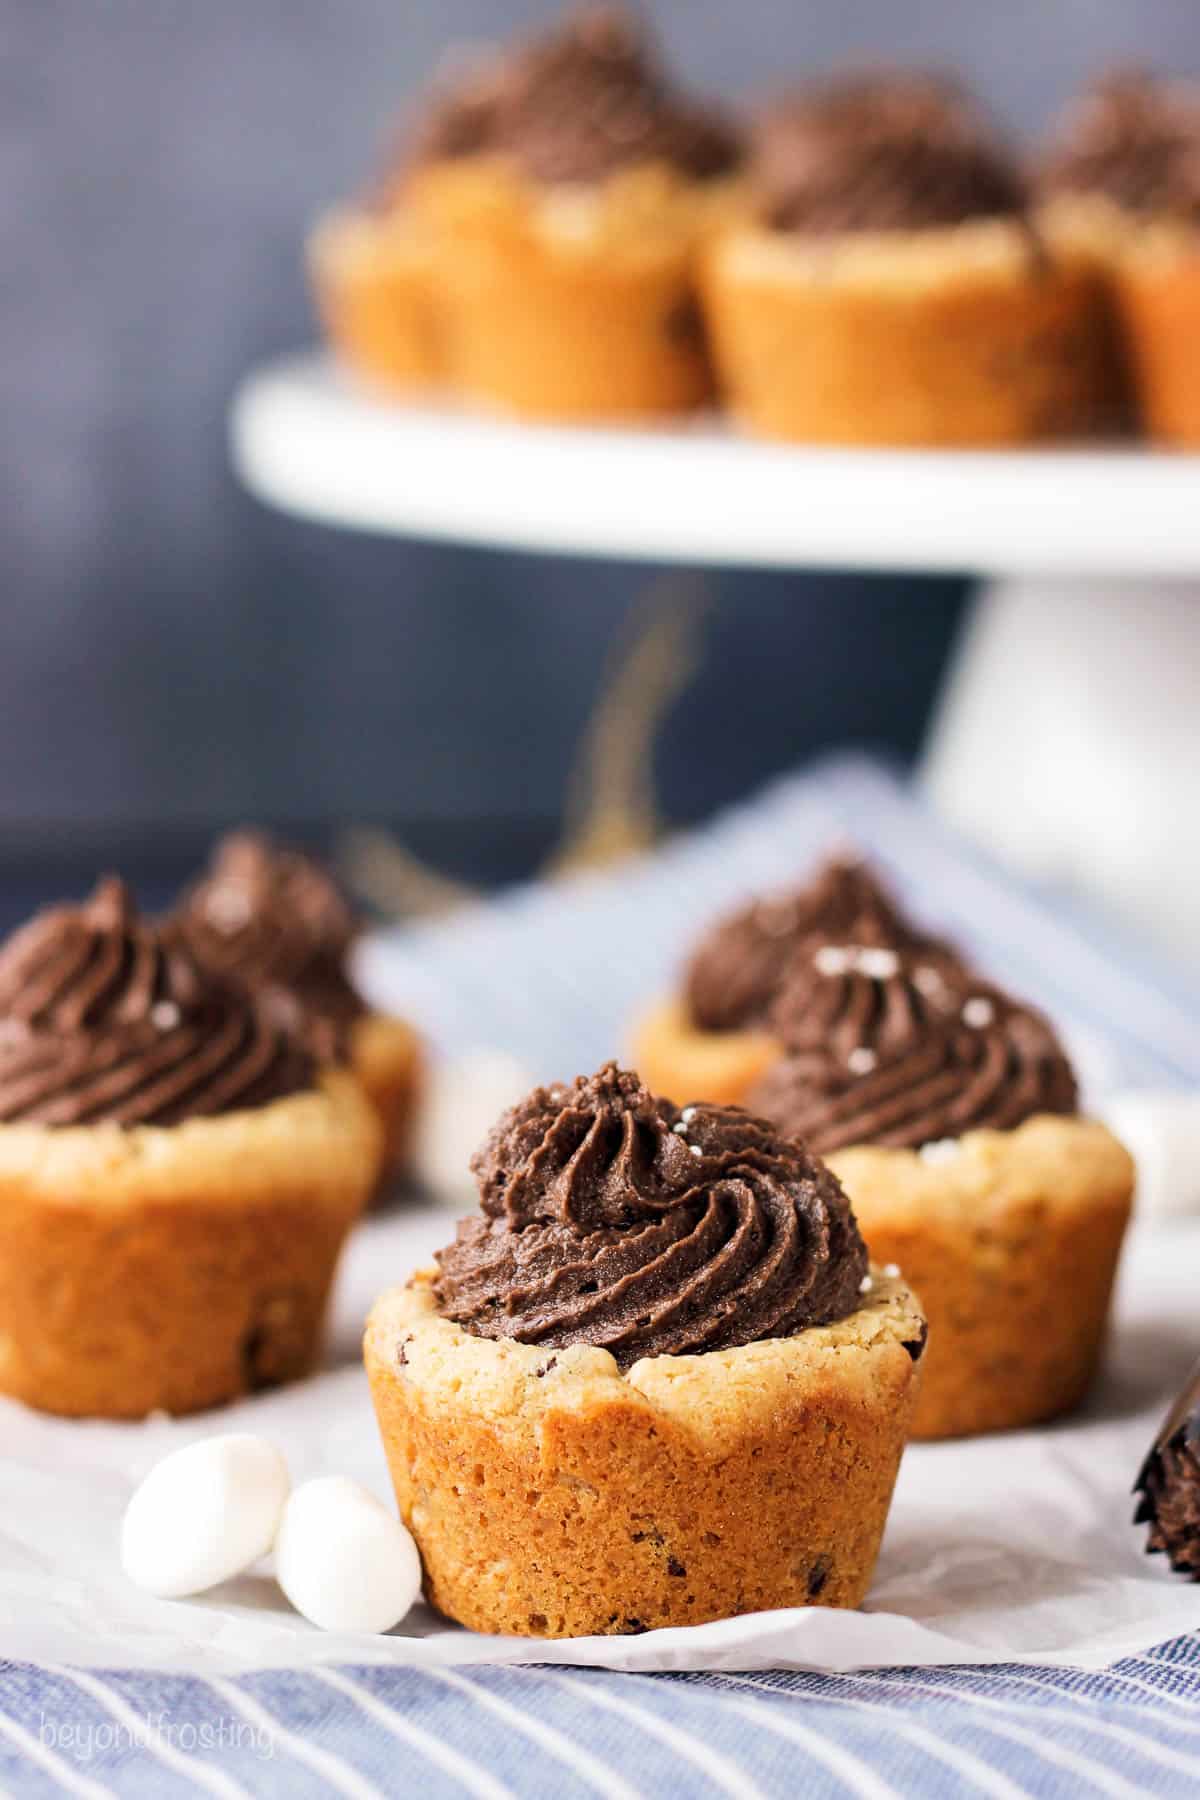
(683, 1063)
(1012, 1240)
(553, 1496)
(178, 1267)
(385, 1057)
(372, 278)
(961, 336)
(572, 303)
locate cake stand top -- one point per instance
(305, 439)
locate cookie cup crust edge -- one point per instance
(551, 1495)
(176, 1267)
(1012, 1240)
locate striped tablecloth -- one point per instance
(554, 978)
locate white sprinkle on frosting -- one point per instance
(695, 1150)
(688, 1114)
(679, 1128)
(866, 1284)
(939, 1150)
(891, 1270)
(164, 1014)
(978, 1012)
(880, 965)
(928, 980)
(861, 1060)
(830, 960)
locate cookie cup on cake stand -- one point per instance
(176, 1268)
(553, 1496)
(1012, 1239)
(891, 288)
(372, 277)
(963, 337)
(573, 302)
(567, 231)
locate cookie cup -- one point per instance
(176, 1267)
(553, 1496)
(1012, 1240)
(385, 1057)
(680, 1061)
(572, 303)
(372, 279)
(964, 336)
(1158, 298)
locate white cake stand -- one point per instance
(1068, 736)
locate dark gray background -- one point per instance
(172, 655)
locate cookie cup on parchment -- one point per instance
(572, 302)
(385, 1058)
(958, 336)
(552, 1496)
(176, 1267)
(1012, 1240)
(685, 1062)
(372, 278)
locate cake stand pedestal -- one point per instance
(1068, 736)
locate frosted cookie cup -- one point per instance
(1119, 188)
(890, 288)
(949, 1112)
(177, 1176)
(271, 919)
(651, 1383)
(567, 237)
(712, 1039)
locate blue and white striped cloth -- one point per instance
(554, 977)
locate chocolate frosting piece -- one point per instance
(271, 919)
(615, 1219)
(735, 973)
(881, 153)
(1169, 1484)
(1133, 140)
(577, 103)
(899, 1048)
(106, 1017)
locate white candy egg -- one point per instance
(344, 1560)
(203, 1514)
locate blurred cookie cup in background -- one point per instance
(891, 287)
(567, 235)
(178, 1174)
(273, 920)
(651, 1382)
(712, 1039)
(950, 1114)
(1119, 185)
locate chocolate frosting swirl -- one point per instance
(576, 104)
(1134, 140)
(735, 972)
(612, 1218)
(272, 920)
(1168, 1484)
(892, 1047)
(881, 153)
(105, 1017)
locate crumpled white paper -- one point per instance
(1011, 1548)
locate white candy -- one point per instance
(343, 1559)
(203, 1514)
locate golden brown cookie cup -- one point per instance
(1012, 1241)
(571, 303)
(385, 1057)
(552, 1496)
(964, 336)
(1158, 299)
(680, 1061)
(372, 279)
(177, 1267)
